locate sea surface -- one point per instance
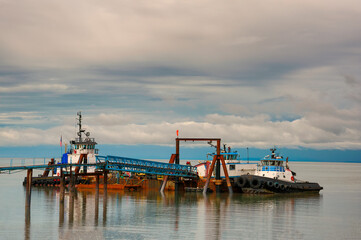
(335, 213)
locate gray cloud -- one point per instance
(286, 70)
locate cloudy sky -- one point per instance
(255, 73)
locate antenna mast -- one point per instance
(79, 124)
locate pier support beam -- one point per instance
(165, 178)
(70, 186)
(29, 177)
(218, 176)
(97, 184)
(105, 183)
(209, 175)
(62, 186)
(176, 183)
(96, 211)
(105, 197)
(229, 185)
(71, 208)
(61, 213)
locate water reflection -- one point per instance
(144, 214)
(27, 222)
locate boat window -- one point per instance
(232, 167)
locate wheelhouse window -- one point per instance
(232, 167)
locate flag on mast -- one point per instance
(61, 140)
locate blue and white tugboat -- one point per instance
(271, 175)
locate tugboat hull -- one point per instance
(259, 184)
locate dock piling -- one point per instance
(29, 177)
(62, 185)
(97, 184)
(105, 183)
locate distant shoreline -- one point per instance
(188, 152)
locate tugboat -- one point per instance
(270, 175)
(82, 150)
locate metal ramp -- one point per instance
(27, 167)
(114, 163)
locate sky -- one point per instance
(254, 73)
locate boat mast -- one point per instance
(79, 124)
(273, 156)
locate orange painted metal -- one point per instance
(229, 185)
(216, 158)
(165, 179)
(47, 170)
(209, 175)
(82, 158)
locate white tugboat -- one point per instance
(82, 149)
(270, 175)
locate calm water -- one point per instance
(335, 213)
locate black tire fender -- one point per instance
(255, 183)
(241, 182)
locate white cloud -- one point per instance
(237, 131)
(34, 88)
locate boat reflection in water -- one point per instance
(86, 214)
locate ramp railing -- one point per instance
(146, 166)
